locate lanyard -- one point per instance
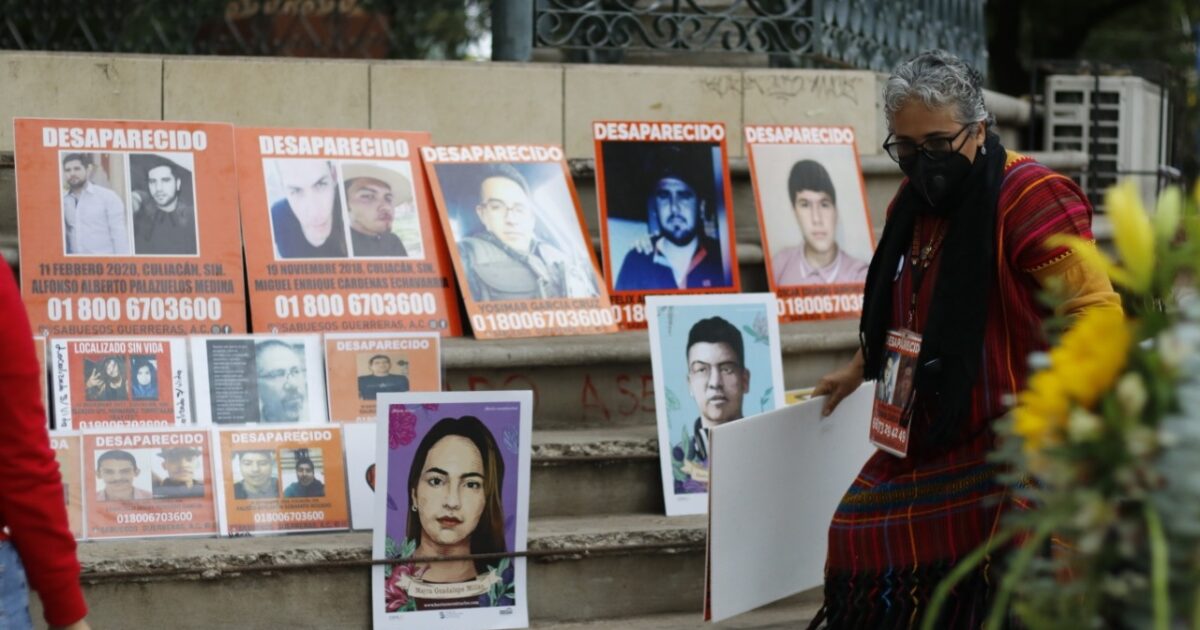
(920, 258)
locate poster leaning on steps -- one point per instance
(452, 497)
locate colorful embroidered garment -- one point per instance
(904, 522)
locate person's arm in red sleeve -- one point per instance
(31, 491)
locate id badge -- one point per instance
(891, 415)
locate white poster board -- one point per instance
(776, 480)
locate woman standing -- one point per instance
(963, 258)
(33, 517)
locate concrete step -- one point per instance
(592, 567)
(595, 471)
(789, 614)
(605, 381)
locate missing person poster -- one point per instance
(361, 366)
(149, 483)
(120, 382)
(452, 480)
(282, 479)
(816, 227)
(524, 261)
(253, 379)
(125, 227)
(360, 473)
(666, 212)
(340, 233)
(67, 453)
(715, 359)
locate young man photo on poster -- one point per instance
(819, 259)
(506, 259)
(257, 469)
(306, 484)
(118, 470)
(680, 195)
(164, 217)
(93, 215)
(180, 463)
(374, 196)
(307, 220)
(381, 380)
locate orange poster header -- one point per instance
(479, 153)
(628, 131)
(795, 134)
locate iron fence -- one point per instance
(870, 34)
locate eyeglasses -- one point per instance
(495, 206)
(280, 374)
(704, 370)
(937, 148)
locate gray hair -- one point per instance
(938, 79)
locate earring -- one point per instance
(982, 150)
(414, 507)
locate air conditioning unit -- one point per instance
(1121, 122)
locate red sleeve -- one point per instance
(1039, 203)
(31, 492)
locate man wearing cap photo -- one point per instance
(306, 483)
(374, 195)
(181, 481)
(117, 470)
(307, 221)
(164, 219)
(680, 199)
(818, 260)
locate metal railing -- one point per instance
(868, 34)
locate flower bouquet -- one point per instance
(1103, 445)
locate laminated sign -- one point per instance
(515, 230)
(120, 382)
(251, 379)
(666, 212)
(282, 479)
(340, 233)
(452, 480)
(812, 209)
(66, 452)
(125, 227)
(149, 483)
(360, 367)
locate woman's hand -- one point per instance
(840, 383)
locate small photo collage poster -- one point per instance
(452, 478)
(149, 483)
(120, 382)
(281, 479)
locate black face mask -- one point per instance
(937, 183)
